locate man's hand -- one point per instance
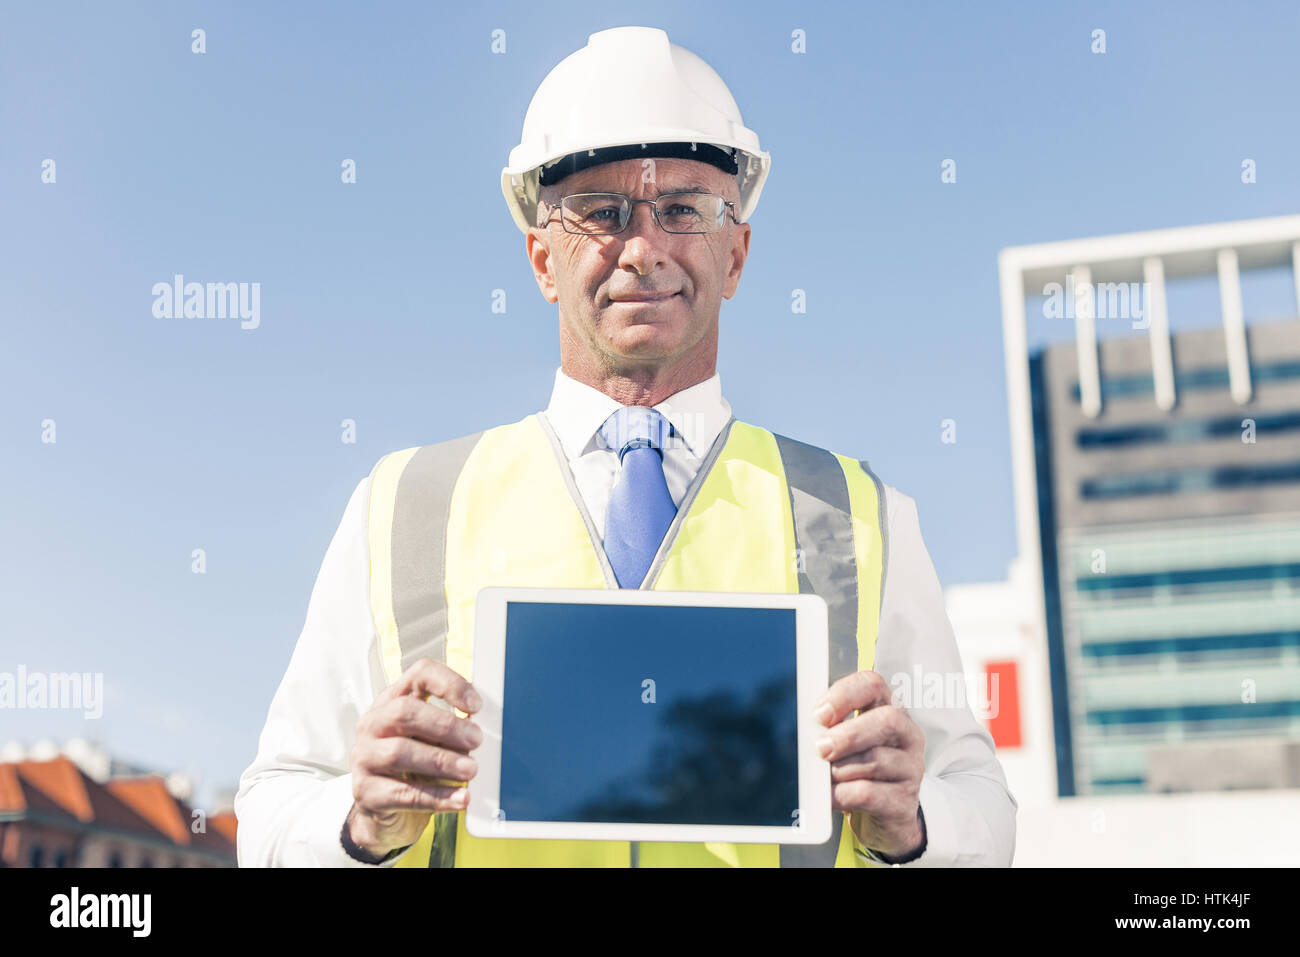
(409, 755)
(877, 760)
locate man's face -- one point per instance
(642, 297)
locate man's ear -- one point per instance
(537, 245)
(737, 253)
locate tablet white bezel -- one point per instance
(812, 663)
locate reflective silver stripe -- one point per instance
(418, 563)
(827, 566)
(419, 545)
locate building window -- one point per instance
(1173, 482)
(61, 857)
(115, 859)
(37, 856)
(146, 861)
(1186, 380)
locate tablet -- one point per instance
(629, 715)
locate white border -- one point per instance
(812, 664)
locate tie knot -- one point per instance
(635, 426)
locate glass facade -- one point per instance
(1171, 558)
(1179, 634)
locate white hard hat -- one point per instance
(631, 89)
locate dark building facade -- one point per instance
(1171, 565)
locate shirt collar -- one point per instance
(577, 411)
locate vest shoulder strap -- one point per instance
(833, 560)
(823, 502)
(410, 495)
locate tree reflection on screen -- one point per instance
(716, 759)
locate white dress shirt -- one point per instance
(577, 411)
(294, 797)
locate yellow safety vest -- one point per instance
(765, 513)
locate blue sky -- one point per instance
(174, 435)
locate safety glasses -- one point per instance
(604, 214)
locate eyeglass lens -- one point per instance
(604, 213)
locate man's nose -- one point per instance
(643, 240)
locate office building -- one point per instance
(1158, 502)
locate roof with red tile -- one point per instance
(11, 789)
(225, 824)
(143, 805)
(62, 782)
(149, 797)
(17, 794)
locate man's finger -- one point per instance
(869, 797)
(428, 678)
(380, 794)
(407, 716)
(874, 764)
(858, 691)
(404, 756)
(885, 726)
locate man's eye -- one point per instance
(604, 214)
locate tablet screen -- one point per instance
(649, 714)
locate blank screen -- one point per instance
(649, 714)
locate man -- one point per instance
(635, 212)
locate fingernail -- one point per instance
(824, 712)
(465, 768)
(475, 736)
(473, 700)
(825, 745)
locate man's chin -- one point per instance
(631, 349)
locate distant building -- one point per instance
(1158, 499)
(53, 813)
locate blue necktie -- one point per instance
(640, 508)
